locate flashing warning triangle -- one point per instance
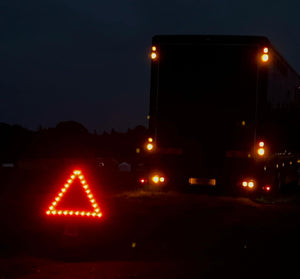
(76, 174)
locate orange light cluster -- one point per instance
(248, 183)
(265, 55)
(158, 179)
(261, 149)
(155, 178)
(52, 208)
(153, 53)
(150, 144)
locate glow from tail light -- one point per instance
(268, 188)
(142, 180)
(48, 212)
(162, 179)
(150, 139)
(245, 183)
(266, 50)
(153, 48)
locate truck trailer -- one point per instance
(224, 112)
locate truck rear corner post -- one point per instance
(224, 111)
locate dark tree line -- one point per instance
(68, 139)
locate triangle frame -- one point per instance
(52, 208)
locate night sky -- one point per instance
(88, 60)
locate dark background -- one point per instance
(88, 61)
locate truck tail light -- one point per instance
(158, 179)
(142, 180)
(248, 183)
(267, 188)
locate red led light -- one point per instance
(96, 210)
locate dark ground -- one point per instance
(145, 234)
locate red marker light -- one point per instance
(142, 180)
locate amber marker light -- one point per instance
(251, 184)
(261, 151)
(153, 55)
(150, 146)
(265, 57)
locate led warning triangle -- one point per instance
(96, 212)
